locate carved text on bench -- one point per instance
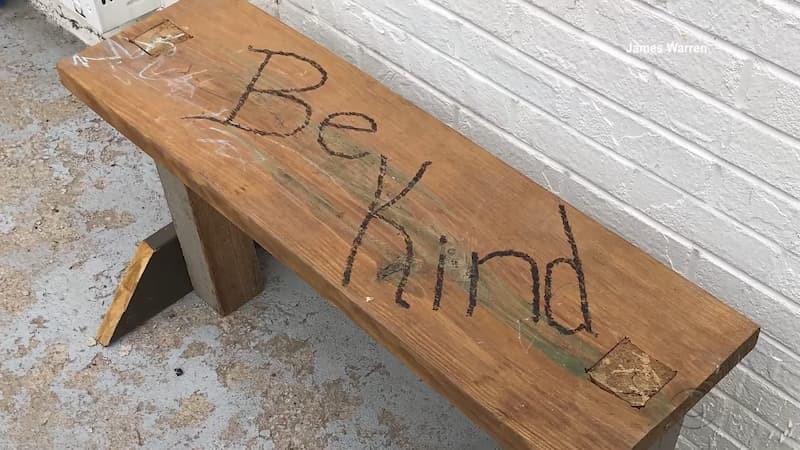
(378, 207)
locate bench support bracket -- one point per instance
(200, 250)
(155, 278)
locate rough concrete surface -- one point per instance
(286, 371)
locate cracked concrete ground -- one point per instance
(288, 370)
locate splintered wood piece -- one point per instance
(221, 260)
(494, 290)
(155, 278)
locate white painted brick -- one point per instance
(772, 97)
(387, 73)
(746, 428)
(622, 78)
(707, 438)
(718, 411)
(780, 367)
(767, 28)
(422, 96)
(326, 36)
(307, 7)
(625, 22)
(769, 404)
(270, 6)
(725, 72)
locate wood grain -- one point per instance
(401, 221)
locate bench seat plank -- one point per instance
(492, 289)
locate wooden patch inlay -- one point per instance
(630, 373)
(160, 38)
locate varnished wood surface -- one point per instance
(244, 112)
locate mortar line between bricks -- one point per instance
(620, 54)
(780, 5)
(726, 45)
(429, 88)
(757, 417)
(618, 107)
(720, 40)
(768, 291)
(755, 123)
(780, 346)
(784, 5)
(785, 396)
(722, 433)
(765, 240)
(646, 122)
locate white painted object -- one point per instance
(104, 15)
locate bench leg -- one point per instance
(221, 260)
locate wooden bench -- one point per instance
(544, 327)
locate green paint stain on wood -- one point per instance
(358, 177)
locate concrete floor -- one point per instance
(286, 371)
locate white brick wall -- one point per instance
(695, 158)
